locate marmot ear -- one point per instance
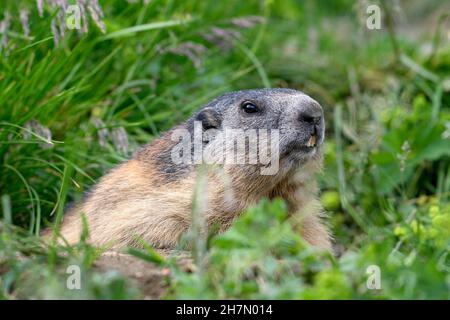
(210, 119)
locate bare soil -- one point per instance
(150, 278)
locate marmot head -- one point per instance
(297, 117)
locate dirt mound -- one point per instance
(150, 278)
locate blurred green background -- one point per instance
(74, 103)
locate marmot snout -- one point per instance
(273, 151)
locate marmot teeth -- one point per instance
(312, 141)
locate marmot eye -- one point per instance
(249, 107)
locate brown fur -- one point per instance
(138, 199)
(125, 205)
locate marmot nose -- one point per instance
(310, 113)
(310, 118)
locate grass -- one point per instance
(71, 110)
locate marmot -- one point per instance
(151, 196)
